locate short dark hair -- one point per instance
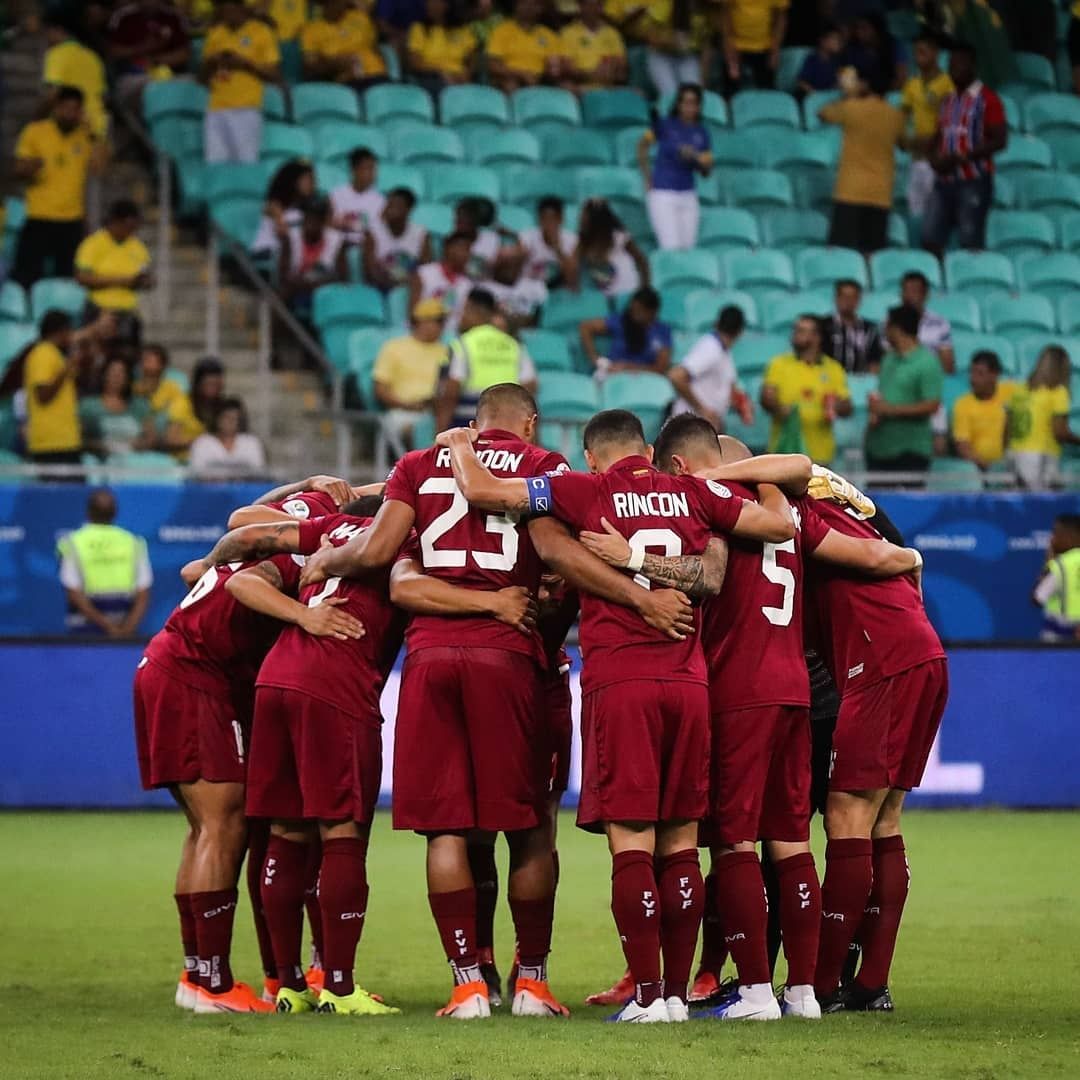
(988, 358)
(317, 206)
(53, 322)
(647, 297)
(927, 37)
(681, 433)
(905, 318)
(456, 238)
(916, 275)
(963, 48)
(365, 506)
(731, 320)
(846, 283)
(550, 202)
(506, 397)
(482, 298)
(69, 93)
(403, 193)
(360, 155)
(123, 210)
(226, 404)
(613, 426)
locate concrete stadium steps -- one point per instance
(21, 65)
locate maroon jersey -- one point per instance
(346, 674)
(306, 504)
(469, 547)
(214, 642)
(866, 629)
(666, 515)
(752, 631)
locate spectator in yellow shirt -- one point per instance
(521, 52)
(809, 383)
(439, 53)
(753, 34)
(54, 156)
(342, 47)
(70, 63)
(593, 49)
(288, 17)
(1039, 420)
(979, 418)
(240, 55)
(920, 101)
(678, 39)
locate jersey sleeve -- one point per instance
(289, 567)
(573, 495)
(722, 506)
(399, 484)
(311, 532)
(701, 357)
(410, 550)
(814, 527)
(307, 504)
(27, 146)
(553, 463)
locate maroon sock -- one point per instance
(214, 913)
(311, 901)
(881, 920)
(343, 897)
(258, 838)
(532, 925)
(713, 950)
(800, 916)
(555, 861)
(188, 936)
(283, 881)
(682, 901)
(849, 873)
(635, 903)
(485, 876)
(744, 914)
(455, 916)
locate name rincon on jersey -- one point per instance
(495, 460)
(632, 504)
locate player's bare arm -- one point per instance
(698, 576)
(479, 486)
(339, 490)
(372, 549)
(192, 571)
(422, 594)
(790, 472)
(768, 520)
(255, 542)
(876, 558)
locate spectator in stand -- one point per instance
(705, 378)
(862, 195)
(1058, 590)
(312, 254)
(358, 203)
(291, 187)
(395, 17)
(207, 393)
(980, 418)
(394, 246)
(173, 422)
(115, 421)
(473, 218)
(407, 371)
(682, 151)
(935, 331)
(148, 40)
(54, 156)
(677, 36)
(804, 391)
(821, 67)
(637, 339)
(920, 101)
(872, 50)
(439, 52)
(899, 438)
(1039, 420)
(593, 50)
(550, 249)
(70, 63)
(628, 17)
(446, 280)
(520, 299)
(227, 451)
(239, 56)
(114, 266)
(753, 32)
(342, 46)
(854, 341)
(522, 52)
(607, 255)
(971, 130)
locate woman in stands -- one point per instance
(292, 185)
(637, 339)
(113, 421)
(608, 259)
(227, 451)
(1039, 420)
(682, 151)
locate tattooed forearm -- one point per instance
(269, 572)
(252, 542)
(684, 572)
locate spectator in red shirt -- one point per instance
(971, 129)
(144, 38)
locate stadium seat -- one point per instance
(526, 184)
(781, 310)
(735, 149)
(617, 108)
(813, 190)
(898, 232)
(545, 104)
(966, 344)
(813, 103)
(610, 182)
(437, 218)
(1066, 149)
(764, 108)
(702, 308)
(1029, 348)
(889, 266)
(1013, 232)
(392, 175)
(977, 271)
(364, 346)
(714, 109)
(752, 352)
(1052, 275)
(503, 147)
(1034, 70)
(473, 103)
(566, 395)
(1024, 152)
(794, 229)
(143, 467)
(1004, 193)
(13, 304)
(283, 142)
(174, 97)
(356, 305)
(336, 142)
(760, 189)
(1068, 319)
(14, 337)
(802, 149)
(585, 149)
(564, 310)
(624, 144)
(876, 303)
(426, 144)
(515, 218)
(860, 386)
(954, 474)
(237, 216)
(274, 106)
(694, 267)
(712, 189)
(1052, 113)
(791, 62)
(646, 394)
(961, 310)
(60, 293)
(179, 137)
(1023, 312)
(224, 180)
(1052, 191)
(397, 101)
(450, 185)
(817, 267)
(549, 350)
(761, 268)
(755, 434)
(317, 103)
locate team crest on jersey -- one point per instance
(640, 472)
(718, 489)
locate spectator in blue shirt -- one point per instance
(682, 149)
(821, 67)
(637, 340)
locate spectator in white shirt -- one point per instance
(228, 452)
(935, 331)
(292, 186)
(705, 378)
(394, 246)
(550, 249)
(312, 254)
(357, 204)
(473, 217)
(447, 280)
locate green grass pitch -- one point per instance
(986, 982)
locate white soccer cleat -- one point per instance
(800, 1001)
(633, 1013)
(469, 1001)
(754, 1002)
(678, 1010)
(186, 993)
(534, 998)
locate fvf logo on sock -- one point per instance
(648, 902)
(804, 894)
(269, 871)
(461, 942)
(686, 892)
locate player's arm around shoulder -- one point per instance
(477, 483)
(256, 542)
(876, 558)
(789, 472)
(768, 520)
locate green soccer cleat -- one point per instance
(358, 1003)
(296, 1001)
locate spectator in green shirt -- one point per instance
(899, 438)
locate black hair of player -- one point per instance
(988, 358)
(680, 434)
(483, 299)
(503, 398)
(407, 195)
(551, 202)
(365, 506)
(613, 427)
(122, 210)
(360, 155)
(69, 93)
(905, 318)
(731, 321)
(54, 322)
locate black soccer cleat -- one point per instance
(858, 999)
(833, 1003)
(491, 976)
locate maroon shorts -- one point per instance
(645, 753)
(560, 726)
(470, 746)
(759, 784)
(312, 760)
(884, 732)
(184, 734)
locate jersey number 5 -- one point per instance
(779, 575)
(498, 524)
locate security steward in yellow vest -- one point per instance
(1058, 590)
(105, 571)
(483, 355)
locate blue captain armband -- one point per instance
(539, 494)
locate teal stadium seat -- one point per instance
(1020, 313)
(364, 346)
(223, 180)
(760, 189)
(954, 387)
(238, 216)
(14, 337)
(783, 309)
(960, 309)
(1024, 152)
(472, 103)
(755, 434)
(525, 184)
(978, 271)
(694, 267)
(954, 474)
(966, 344)
(758, 269)
(515, 218)
(714, 109)
(547, 105)
(794, 229)
(1004, 193)
(736, 149)
(624, 145)
(503, 147)
(791, 62)
(179, 136)
(329, 176)
(813, 103)
(645, 393)
(398, 101)
(876, 303)
(617, 108)
(1052, 275)
(889, 266)
(1069, 317)
(567, 395)
(802, 150)
(586, 149)
(861, 385)
(450, 185)
(564, 310)
(549, 350)
(283, 142)
(274, 106)
(1029, 348)
(437, 218)
(352, 305)
(898, 232)
(813, 191)
(701, 308)
(143, 467)
(13, 303)
(817, 267)
(1052, 114)
(336, 142)
(1066, 149)
(752, 352)
(318, 103)
(392, 175)
(62, 294)
(1011, 107)
(764, 109)
(1051, 192)
(14, 219)
(174, 97)
(397, 306)
(426, 144)
(610, 182)
(1034, 70)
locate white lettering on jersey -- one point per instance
(633, 504)
(718, 489)
(856, 670)
(495, 460)
(345, 532)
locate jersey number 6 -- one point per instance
(498, 524)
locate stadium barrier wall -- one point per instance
(1008, 738)
(983, 551)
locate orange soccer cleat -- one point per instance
(619, 994)
(270, 989)
(186, 991)
(534, 998)
(469, 1001)
(315, 977)
(240, 999)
